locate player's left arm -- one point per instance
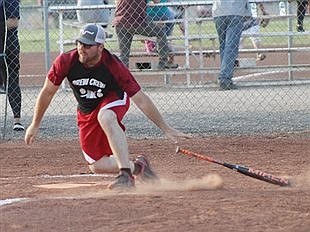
(146, 105)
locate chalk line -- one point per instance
(12, 200)
(257, 74)
(56, 176)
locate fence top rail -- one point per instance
(168, 4)
(203, 37)
(216, 51)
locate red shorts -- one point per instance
(93, 141)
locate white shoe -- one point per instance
(18, 127)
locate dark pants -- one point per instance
(301, 10)
(229, 29)
(148, 28)
(10, 64)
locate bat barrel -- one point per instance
(241, 169)
(268, 177)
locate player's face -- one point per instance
(89, 54)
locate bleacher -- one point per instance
(199, 53)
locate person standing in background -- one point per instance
(130, 19)
(160, 13)
(229, 17)
(9, 60)
(264, 21)
(301, 12)
(251, 27)
(179, 12)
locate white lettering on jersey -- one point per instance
(89, 81)
(81, 82)
(89, 94)
(96, 83)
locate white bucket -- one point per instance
(93, 16)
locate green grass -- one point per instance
(35, 41)
(29, 2)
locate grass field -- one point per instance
(35, 41)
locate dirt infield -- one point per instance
(48, 187)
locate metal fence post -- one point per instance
(290, 40)
(47, 39)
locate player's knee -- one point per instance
(106, 164)
(99, 170)
(106, 118)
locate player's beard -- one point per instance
(89, 59)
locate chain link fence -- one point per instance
(272, 71)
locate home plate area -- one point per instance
(48, 187)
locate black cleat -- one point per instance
(122, 181)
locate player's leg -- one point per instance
(109, 118)
(108, 164)
(102, 134)
(98, 132)
(118, 143)
(116, 137)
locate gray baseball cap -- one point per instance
(91, 34)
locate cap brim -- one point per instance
(86, 41)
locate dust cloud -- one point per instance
(302, 180)
(208, 182)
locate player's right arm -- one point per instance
(43, 101)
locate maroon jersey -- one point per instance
(91, 84)
(130, 13)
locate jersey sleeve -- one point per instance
(123, 77)
(60, 67)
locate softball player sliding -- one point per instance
(103, 87)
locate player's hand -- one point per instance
(30, 134)
(174, 135)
